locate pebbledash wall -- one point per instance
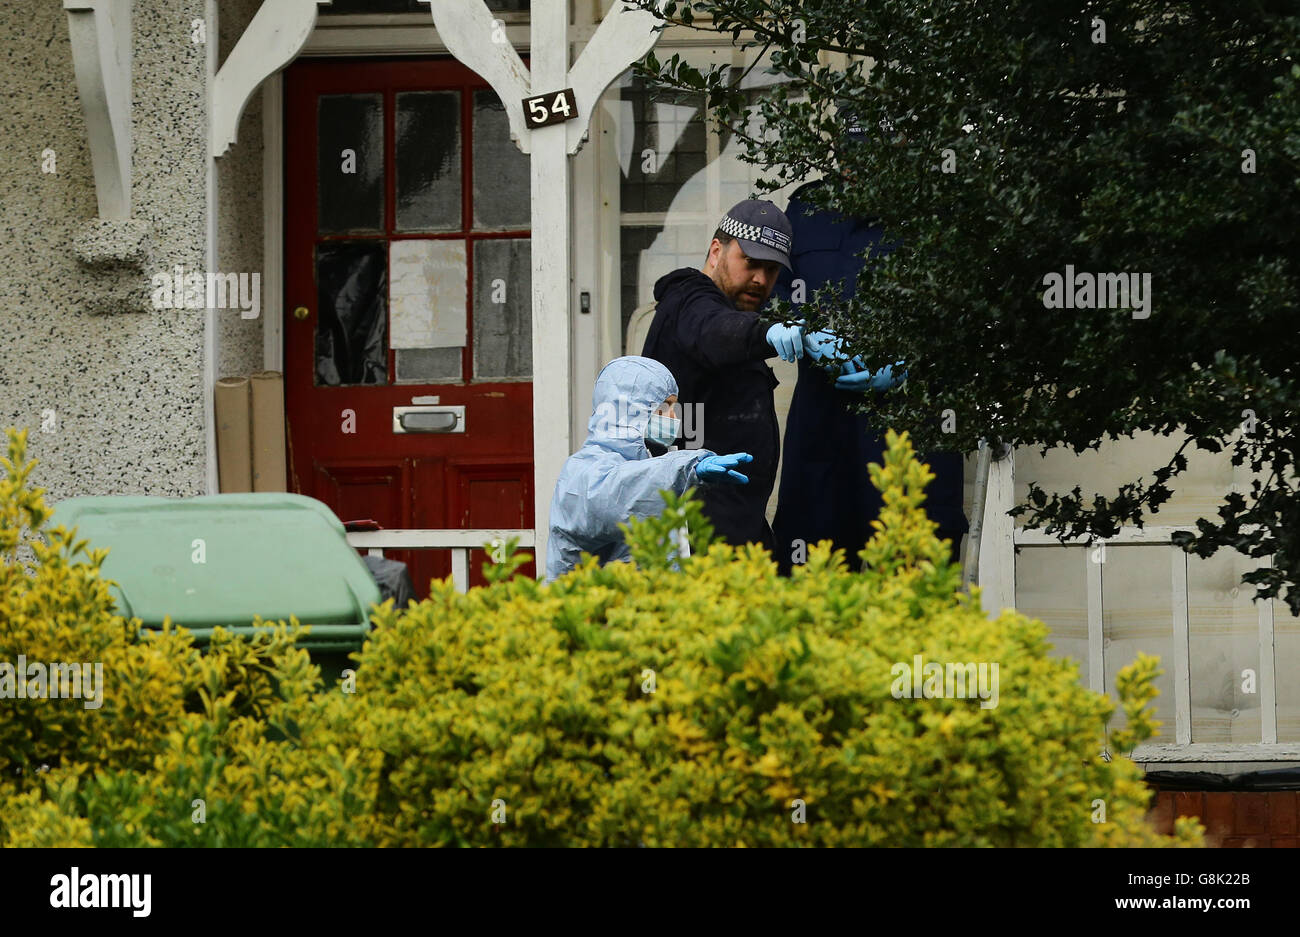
(240, 212)
(123, 382)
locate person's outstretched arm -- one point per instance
(716, 335)
(631, 488)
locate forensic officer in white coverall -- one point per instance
(615, 476)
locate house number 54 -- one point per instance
(551, 108)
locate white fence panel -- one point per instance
(997, 578)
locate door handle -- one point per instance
(301, 313)
(428, 419)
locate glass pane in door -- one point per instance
(502, 187)
(351, 328)
(428, 365)
(503, 335)
(428, 161)
(350, 163)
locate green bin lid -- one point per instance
(265, 553)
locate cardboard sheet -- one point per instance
(428, 294)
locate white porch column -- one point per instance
(997, 559)
(552, 365)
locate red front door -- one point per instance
(408, 308)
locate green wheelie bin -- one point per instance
(219, 560)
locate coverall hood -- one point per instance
(628, 390)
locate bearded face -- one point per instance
(746, 282)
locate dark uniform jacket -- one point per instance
(716, 353)
(826, 492)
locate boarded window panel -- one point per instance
(350, 163)
(428, 294)
(351, 326)
(428, 365)
(1051, 585)
(1137, 618)
(502, 193)
(428, 161)
(1223, 640)
(503, 337)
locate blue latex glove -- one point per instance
(821, 345)
(721, 468)
(854, 377)
(787, 340)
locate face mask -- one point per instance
(663, 429)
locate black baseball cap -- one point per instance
(762, 229)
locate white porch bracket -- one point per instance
(623, 37)
(100, 31)
(272, 40)
(476, 39)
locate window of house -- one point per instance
(679, 174)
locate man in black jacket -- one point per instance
(708, 333)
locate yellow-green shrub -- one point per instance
(174, 724)
(645, 704)
(766, 691)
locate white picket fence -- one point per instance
(459, 542)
